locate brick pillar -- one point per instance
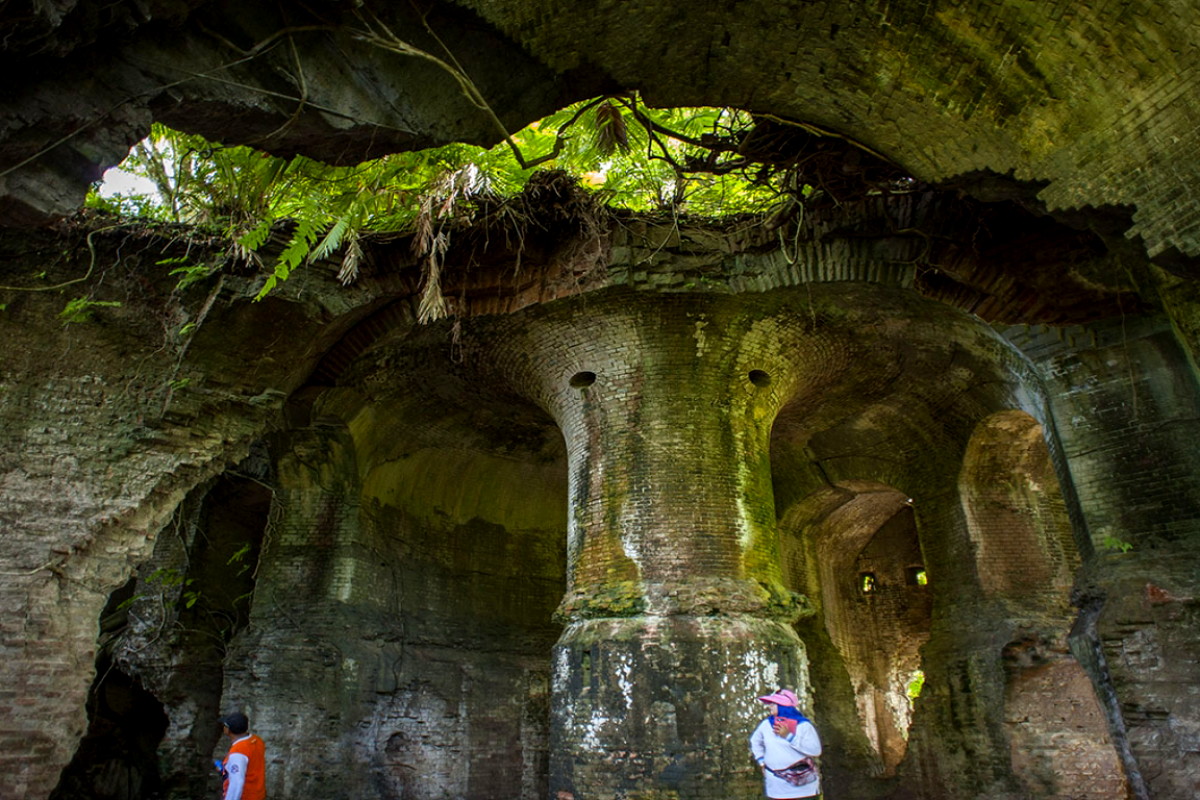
(293, 670)
(675, 614)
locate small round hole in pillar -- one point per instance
(582, 380)
(759, 378)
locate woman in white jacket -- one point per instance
(782, 739)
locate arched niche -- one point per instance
(476, 549)
(464, 495)
(1016, 516)
(160, 655)
(1025, 557)
(415, 562)
(855, 548)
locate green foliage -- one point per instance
(913, 690)
(190, 597)
(125, 205)
(1115, 544)
(168, 579)
(80, 309)
(257, 236)
(620, 148)
(633, 157)
(239, 558)
(188, 272)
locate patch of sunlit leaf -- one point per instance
(617, 148)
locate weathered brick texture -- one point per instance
(1125, 403)
(86, 486)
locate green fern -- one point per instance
(332, 240)
(257, 236)
(80, 309)
(634, 156)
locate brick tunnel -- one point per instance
(926, 459)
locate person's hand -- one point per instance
(780, 727)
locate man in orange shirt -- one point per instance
(244, 768)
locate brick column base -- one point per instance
(664, 706)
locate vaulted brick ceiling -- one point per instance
(1088, 106)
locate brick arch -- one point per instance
(424, 514)
(1015, 513)
(834, 539)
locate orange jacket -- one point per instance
(255, 785)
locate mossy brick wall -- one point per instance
(671, 386)
(1124, 400)
(107, 425)
(622, 352)
(1093, 99)
(1180, 299)
(860, 369)
(350, 500)
(413, 626)
(671, 550)
(480, 570)
(1125, 404)
(97, 449)
(961, 740)
(652, 705)
(957, 744)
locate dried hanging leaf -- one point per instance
(611, 132)
(432, 305)
(423, 235)
(350, 261)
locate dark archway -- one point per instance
(409, 580)
(117, 758)
(167, 633)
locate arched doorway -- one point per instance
(856, 546)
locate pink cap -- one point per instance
(784, 697)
